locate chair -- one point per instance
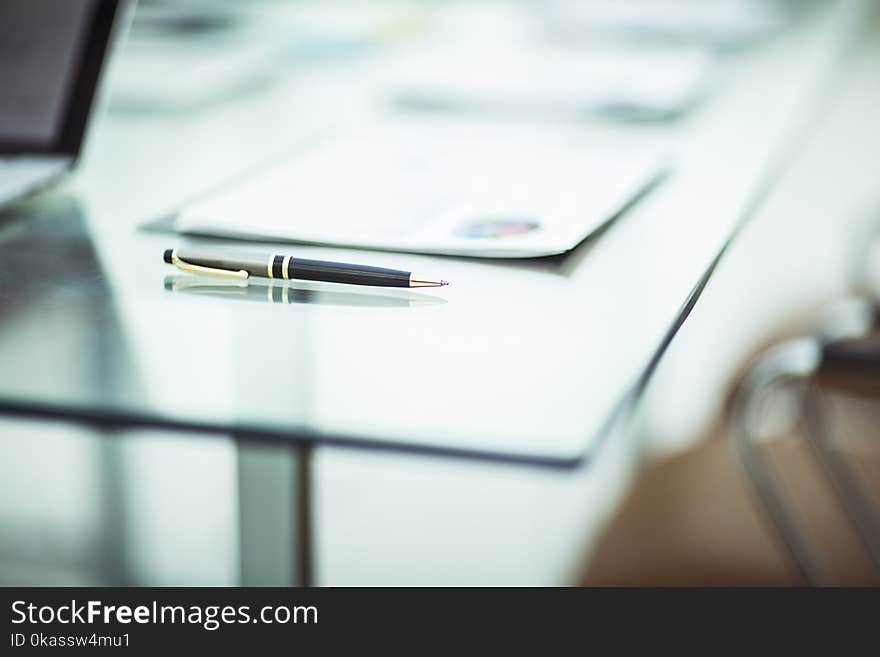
(815, 389)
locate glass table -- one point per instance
(521, 362)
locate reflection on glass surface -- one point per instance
(59, 331)
(298, 292)
(84, 505)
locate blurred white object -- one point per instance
(184, 56)
(166, 75)
(554, 82)
(721, 23)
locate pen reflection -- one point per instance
(299, 292)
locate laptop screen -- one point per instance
(50, 56)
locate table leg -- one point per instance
(274, 500)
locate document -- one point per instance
(487, 193)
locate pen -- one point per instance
(285, 267)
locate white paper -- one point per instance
(454, 192)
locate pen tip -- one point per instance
(416, 280)
(167, 255)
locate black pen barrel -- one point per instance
(336, 272)
(285, 267)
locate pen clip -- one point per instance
(183, 265)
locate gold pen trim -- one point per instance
(269, 266)
(183, 265)
(284, 267)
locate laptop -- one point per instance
(51, 57)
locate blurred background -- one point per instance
(146, 508)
